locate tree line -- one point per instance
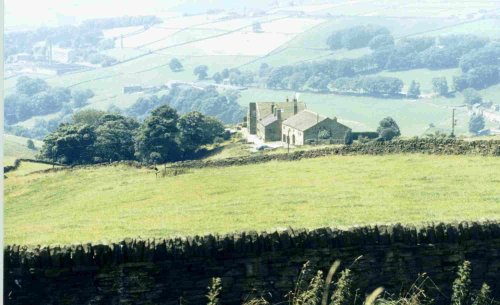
(34, 97)
(477, 57)
(184, 99)
(95, 136)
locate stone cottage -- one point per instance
(257, 112)
(307, 127)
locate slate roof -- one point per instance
(264, 108)
(268, 120)
(304, 120)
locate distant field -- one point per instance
(424, 77)
(364, 113)
(116, 202)
(484, 27)
(15, 147)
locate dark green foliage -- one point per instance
(414, 89)
(462, 285)
(30, 144)
(388, 129)
(175, 65)
(80, 97)
(201, 72)
(114, 138)
(472, 97)
(476, 123)
(440, 85)
(156, 138)
(70, 144)
(196, 130)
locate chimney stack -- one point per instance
(278, 114)
(295, 106)
(272, 108)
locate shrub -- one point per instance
(461, 285)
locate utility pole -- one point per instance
(453, 123)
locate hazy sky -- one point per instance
(29, 13)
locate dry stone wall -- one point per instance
(161, 271)
(422, 146)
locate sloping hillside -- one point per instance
(110, 203)
(15, 147)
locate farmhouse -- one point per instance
(291, 123)
(307, 127)
(257, 112)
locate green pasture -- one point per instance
(111, 203)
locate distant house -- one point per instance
(290, 122)
(308, 127)
(258, 111)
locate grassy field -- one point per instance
(15, 147)
(108, 204)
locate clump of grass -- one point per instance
(461, 285)
(414, 296)
(342, 295)
(483, 297)
(312, 289)
(214, 291)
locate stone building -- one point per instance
(307, 127)
(258, 111)
(269, 128)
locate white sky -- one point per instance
(33, 13)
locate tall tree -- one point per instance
(440, 85)
(70, 144)
(114, 138)
(388, 129)
(156, 138)
(196, 130)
